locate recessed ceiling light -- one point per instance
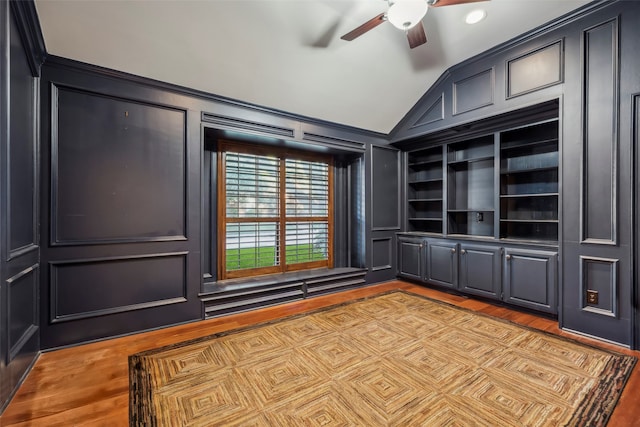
(475, 16)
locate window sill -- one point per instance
(240, 295)
(230, 285)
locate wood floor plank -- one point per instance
(88, 384)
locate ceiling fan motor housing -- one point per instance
(405, 14)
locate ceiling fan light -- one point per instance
(405, 14)
(475, 16)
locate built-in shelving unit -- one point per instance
(500, 185)
(489, 223)
(424, 194)
(529, 182)
(470, 187)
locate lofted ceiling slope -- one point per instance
(286, 54)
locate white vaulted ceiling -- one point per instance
(285, 54)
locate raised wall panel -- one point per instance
(385, 188)
(21, 158)
(535, 70)
(600, 139)
(473, 92)
(600, 275)
(118, 170)
(381, 253)
(96, 287)
(19, 191)
(22, 310)
(433, 114)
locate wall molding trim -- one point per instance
(26, 17)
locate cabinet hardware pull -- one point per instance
(462, 252)
(507, 257)
(453, 251)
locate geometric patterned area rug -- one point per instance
(396, 359)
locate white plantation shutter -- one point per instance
(274, 210)
(307, 211)
(252, 186)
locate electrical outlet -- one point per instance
(479, 217)
(592, 297)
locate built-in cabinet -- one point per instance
(481, 269)
(522, 276)
(530, 278)
(441, 265)
(482, 212)
(501, 184)
(411, 257)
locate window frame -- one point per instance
(282, 153)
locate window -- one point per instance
(274, 210)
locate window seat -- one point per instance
(239, 295)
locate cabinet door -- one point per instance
(442, 263)
(410, 258)
(480, 270)
(531, 279)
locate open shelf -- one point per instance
(530, 220)
(534, 134)
(540, 169)
(475, 223)
(429, 209)
(470, 187)
(515, 196)
(540, 182)
(425, 190)
(546, 231)
(530, 162)
(529, 158)
(425, 181)
(474, 149)
(464, 163)
(531, 144)
(425, 157)
(427, 225)
(503, 184)
(424, 200)
(425, 163)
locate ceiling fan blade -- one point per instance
(440, 3)
(416, 35)
(369, 25)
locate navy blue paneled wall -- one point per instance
(19, 234)
(129, 187)
(588, 63)
(121, 207)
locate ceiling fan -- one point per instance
(406, 15)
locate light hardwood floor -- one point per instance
(89, 384)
